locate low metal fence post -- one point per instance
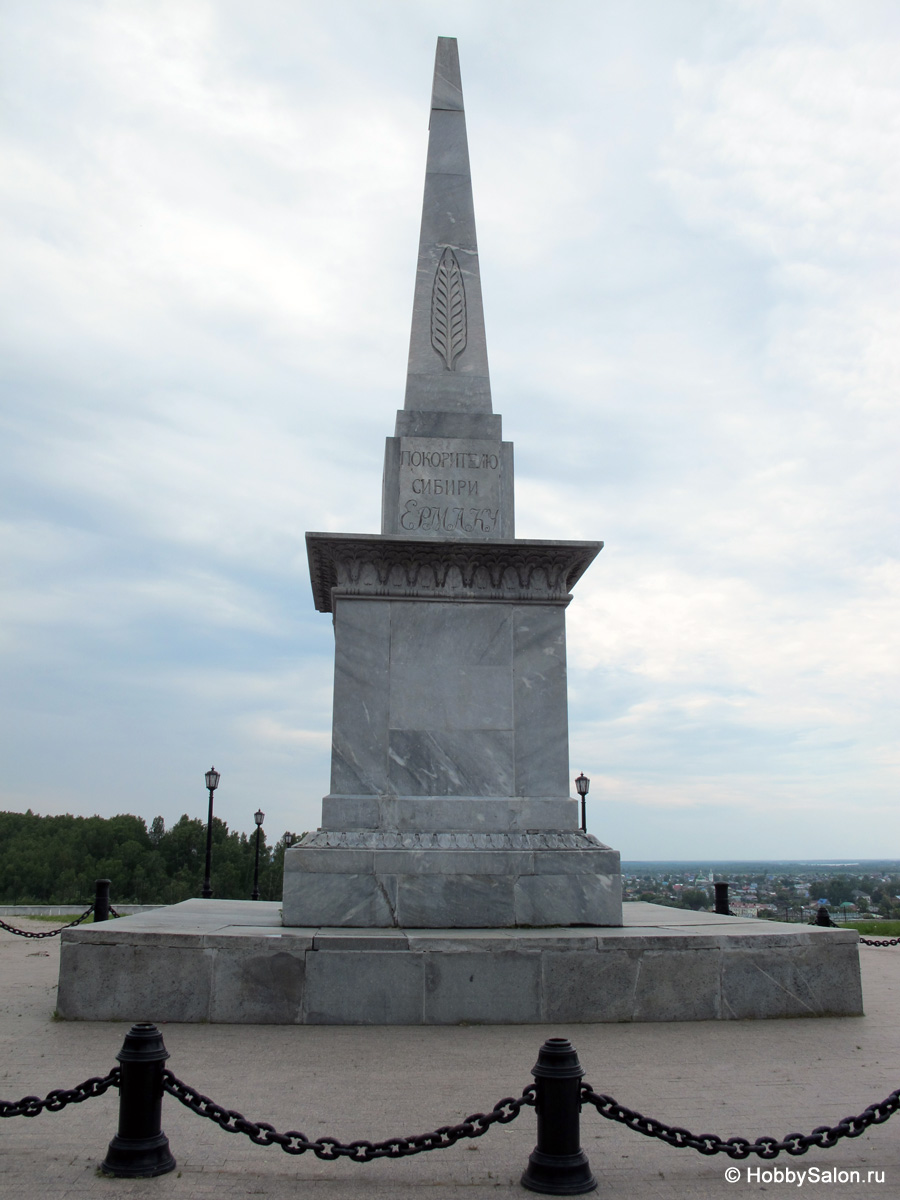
(140, 1148)
(722, 899)
(558, 1166)
(101, 900)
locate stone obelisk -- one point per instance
(449, 804)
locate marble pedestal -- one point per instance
(450, 755)
(233, 961)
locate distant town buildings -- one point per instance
(792, 894)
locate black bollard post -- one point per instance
(140, 1148)
(558, 1166)
(722, 899)
(101, 900)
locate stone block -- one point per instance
(351, 812)
(800, 981)
(426, 814)
(455, 901)
(335, 899)
(594, 861)
(359, 941)
(450, 762)
(374, 988)
(328, 861)
(453, 392)
(259, 987)
(678, 985)
(128, 981)
(589, 986)
(437, 424)
(567, 900)
(362, 647)
(502, 987)
(540, 700)
(453, 862)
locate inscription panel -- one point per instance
(449, 487)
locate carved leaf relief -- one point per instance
(448, 310)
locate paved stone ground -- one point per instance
(748, 1078)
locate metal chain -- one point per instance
(30, 933)
(295, 1142)
(886, 942)
(738, 1147)
(30, 1106)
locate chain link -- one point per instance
(885, 942)
(30, 1106)
(30, 933)
(295, 1142)
(738, 1147)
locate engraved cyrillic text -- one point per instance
(428, 518)
(449, 486)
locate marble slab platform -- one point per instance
(233, 962)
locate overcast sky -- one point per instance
(689, 228)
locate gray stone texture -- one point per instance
(431, 423)
(362, 650)
(442, 887)
(414, 814)
(540, 701)
(483, 989)
(445, 699)
(364, 987)
(234, 962)
(261, 985)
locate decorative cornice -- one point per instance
(520, 571)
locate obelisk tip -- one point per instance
(446, 92)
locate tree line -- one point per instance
(56, 860)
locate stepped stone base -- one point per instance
(233, 962)
(386, 879)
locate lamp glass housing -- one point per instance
(582, 784)
(212, 779)
(259, 816)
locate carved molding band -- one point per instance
(518, 571)
(386, 839)
(448, 310)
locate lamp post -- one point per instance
(259, 816)
(582, 786)
(212, 782)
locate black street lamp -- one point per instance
(582, 785)
(259, 816)
(212, 782)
